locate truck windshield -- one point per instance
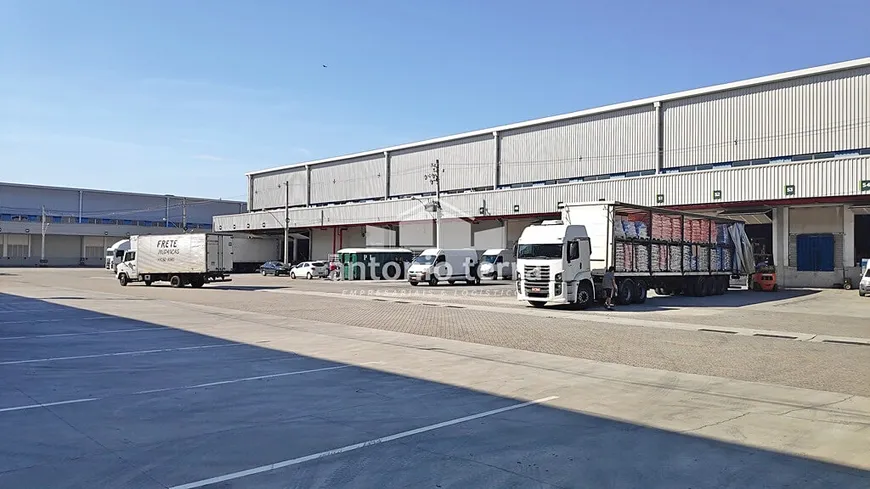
(539, 251)
(425, 259)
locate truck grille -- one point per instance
(536, 281)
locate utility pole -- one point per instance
(435, 178)
(286, 222)
(44, 226)
(183, 214)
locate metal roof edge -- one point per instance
(117, 192)
(778, 77)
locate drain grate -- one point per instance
(401, 302)
(708, 330)
(846, 342)
(771, 335)
(455, 307)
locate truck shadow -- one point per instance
(733, 298)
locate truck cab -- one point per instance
(553, 265)
(128, 267)
(115, 253)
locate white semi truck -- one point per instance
(671, 252)
(180, 259)
(115, 253)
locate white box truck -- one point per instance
(179, 259)
(671, 252)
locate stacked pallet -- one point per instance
(618, 229)
(687, 258)
(704, 231)
(716, 259)
(703, 257)
(676, 229)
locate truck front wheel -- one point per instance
(122, 279)
(584, 296)
(537, 303)
(176, 281)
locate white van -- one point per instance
(864, 285)
(498, 263)
(434, 265)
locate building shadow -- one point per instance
(152, 421)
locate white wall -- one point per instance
(417, 234)
(380, 237)
(489, 235)
(321, 243)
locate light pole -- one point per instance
(45, 225)
(435, 178)
(286, 223)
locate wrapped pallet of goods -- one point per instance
(716, 259)
(704, 231)
(676, 229)
(641, 255)
(656, 253)
(703, 259)
(618, 229)
(674, 258)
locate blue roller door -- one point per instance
(815, 252)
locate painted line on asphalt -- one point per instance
(120, 354)
(315, 456)
(183, 387)
(57, 320)
(47, 404)
(59, 335)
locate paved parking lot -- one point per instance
(246, 386)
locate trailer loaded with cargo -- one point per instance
(180, 259)
(671, 252)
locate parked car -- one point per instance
(273, 268)
(310, 269)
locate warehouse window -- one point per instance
(815, 252)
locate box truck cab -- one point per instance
(115, 253)
(436, 265)
(553, 265)
(497, 263)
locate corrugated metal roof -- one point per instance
(845, 65)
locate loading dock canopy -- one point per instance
(749, 216)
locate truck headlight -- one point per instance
(558, 277)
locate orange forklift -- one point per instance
(764, 278)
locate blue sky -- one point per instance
(184, 97)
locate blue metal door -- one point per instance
(815, 252)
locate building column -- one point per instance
(386, 174)
(496, 160)
(295, 250)
(308, 188)
(848, 237)
(29, 245)
(660, 137)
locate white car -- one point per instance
(309, 270)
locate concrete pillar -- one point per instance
(5, 238)
(295, 250)
(29, 245)
(308, 189)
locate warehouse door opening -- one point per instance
(759, 230)
(862, 237)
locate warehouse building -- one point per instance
(80, 224)
(787, 153)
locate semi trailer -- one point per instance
(180, 259)
(645, 248)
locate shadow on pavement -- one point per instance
(152, 420)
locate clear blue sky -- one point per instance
(184, 97)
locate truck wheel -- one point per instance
(625, 296)
(197, 282)
(640, 293)
(414, 283)
(176, 282)
(537, 303)
(122, 279)
(147, 283)
(585, 297)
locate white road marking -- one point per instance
(184, 387)
(119, 354)
(47, 404)
(356, 446)
(57, 320)
(57, 335)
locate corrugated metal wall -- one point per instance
(817, 178)
(356, 179)
(617, 142)
(269, 190)
(468, 163)
(823, 113)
